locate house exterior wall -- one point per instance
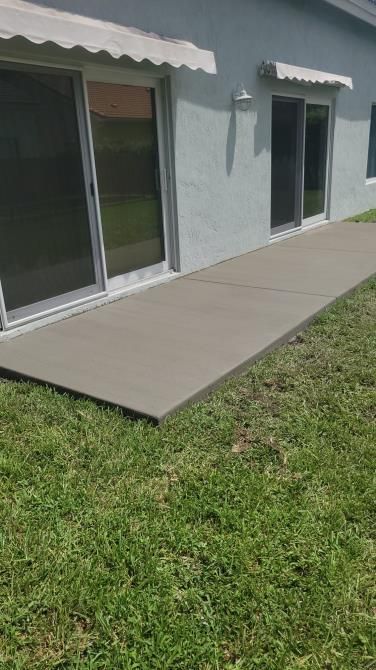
(222, 156)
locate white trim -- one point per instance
(88, 176)
(164, 175)
(32, 310)
(93, 172)
(317, 224)
(322, 216)
(81, 64)
(3, 312)
(109, 75)
(370, 181)
(45, 311)
(59, 314)
(285, 233)
(297, 231)
(362, 9)
(120, 282)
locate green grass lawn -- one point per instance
(239, 535)
(367, 217)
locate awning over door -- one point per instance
(43, 24)
(303, 75)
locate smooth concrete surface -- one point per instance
(154, 352)
(341, 237)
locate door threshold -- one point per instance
(316, 224)
(297, 231)
(135, 287)
(284, 235)
(99, 300)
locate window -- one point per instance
(371, 168)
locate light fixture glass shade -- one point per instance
(241, 98)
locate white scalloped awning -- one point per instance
(43, 24)
(303, 75)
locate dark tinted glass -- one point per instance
(316, 146)
(45, 248)
(371, 167)
(284, 162)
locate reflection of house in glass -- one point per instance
(125, 141)
(120, 102)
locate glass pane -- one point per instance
(284, 163)
(45, 248)
(316, 145)
(126, 156)
(371, 167)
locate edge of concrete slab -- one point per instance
(205, 390)
(242, 367)
(128, 412)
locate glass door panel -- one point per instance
(124, 130)
(315, 161)
(286, 167)
(45, 240)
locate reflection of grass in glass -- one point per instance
(130, 222)
(313, 203)
(58, 228)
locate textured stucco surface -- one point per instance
(222, 158)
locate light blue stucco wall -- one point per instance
(222, 158)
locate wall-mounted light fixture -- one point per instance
(242, 100)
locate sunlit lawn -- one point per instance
(239, 535)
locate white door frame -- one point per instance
(112, 76)
(21, 315)
(322, 216)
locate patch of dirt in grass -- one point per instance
(245, 441)
(296, 340)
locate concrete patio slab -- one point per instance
(340, 237)
(154, 352)
(314, 271)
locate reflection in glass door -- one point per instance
(46, 256)
(287, 121)
(315, 162)
(124, 131)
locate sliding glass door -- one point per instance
(299, 176)
(46, 252)
(124, 130)
(315, 163)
